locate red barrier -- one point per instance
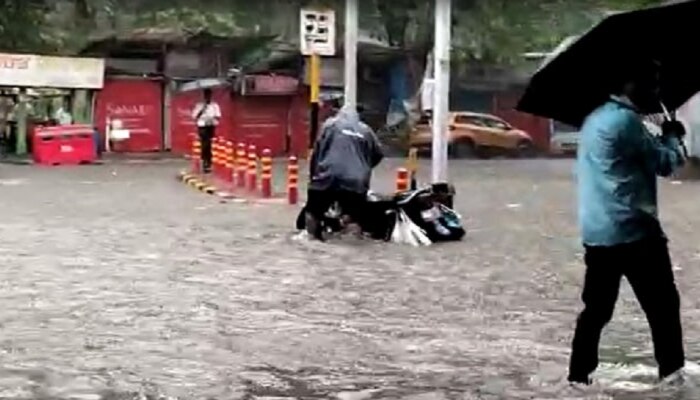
(66, 144)
(293, 181)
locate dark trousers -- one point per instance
(206, 134)
(647, 266)
(352, 204)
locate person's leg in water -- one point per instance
(600, 289)
(206, 134)
(650, 273)
(317, 204)
(353, 206)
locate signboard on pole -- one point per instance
(317, 32)
(27, 70)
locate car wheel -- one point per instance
(525, 149)
(465, 149)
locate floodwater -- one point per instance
(118, 282)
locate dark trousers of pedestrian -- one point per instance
(318, 202)
(647, 266)
(206, 134)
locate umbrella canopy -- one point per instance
(201, 84)
(582, 76)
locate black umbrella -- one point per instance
(582, 77)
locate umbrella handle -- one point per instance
(668, 115)
(672, 117)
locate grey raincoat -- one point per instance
(344, 154)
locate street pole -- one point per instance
(441, 99)
(351, 33)
(315, 86)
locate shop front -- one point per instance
(134, 106)
(32, 85)
(268, 111)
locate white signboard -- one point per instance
(317, 32)
(29, 70)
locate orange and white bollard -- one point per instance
(241, 165)
(266, 173)
(215, 156)
(196, 156)
(293, 180)
(220, 157)
(402, 180)
(252, 169)
(230, 162)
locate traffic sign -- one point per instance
(317, 31)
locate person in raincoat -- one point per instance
(341, 169)
(617, 167)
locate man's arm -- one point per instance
(662, 154)
(319, 150)
(197, 111)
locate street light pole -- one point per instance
(351, 34)
(441, 99)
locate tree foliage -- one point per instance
(21, 24)
(500, 31)
(488, 31)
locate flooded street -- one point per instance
(118, 282)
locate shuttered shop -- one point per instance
(137, 103)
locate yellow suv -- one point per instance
(473, 134)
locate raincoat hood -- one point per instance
(348, 114)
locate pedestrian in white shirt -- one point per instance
(206, 115)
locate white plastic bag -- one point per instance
(417, 234)
(406, 231)
(397, 233)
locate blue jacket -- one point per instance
(618, 161)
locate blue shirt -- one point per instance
(617, 164)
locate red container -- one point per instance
(64, 145)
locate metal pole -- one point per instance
(315, 83)
(351, 33)
(441, 101)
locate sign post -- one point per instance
(317, 39)
(351, 34)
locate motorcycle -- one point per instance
(429, 208)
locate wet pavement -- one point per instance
(119, 282)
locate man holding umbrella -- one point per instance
(206, 115)
(617, 165)
(604, 82)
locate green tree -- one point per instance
(21, 25)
